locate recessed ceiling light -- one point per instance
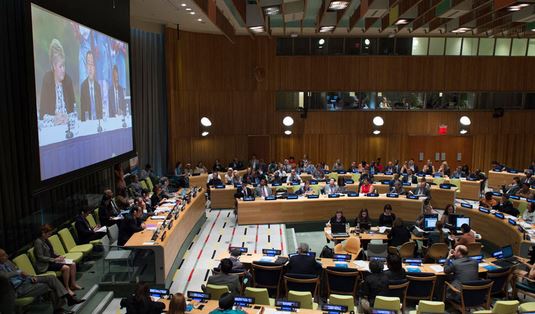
(192, 13)
(256, 29)
(376, 132)
(367, 42)
(378, 121)
(464, 120)
(461, 30)
(288, 121)
(288, 132)
(199, 20)
(321, 41)
(338, 5)
(402, 22)
(183, 4)
(463, 131)
(205, 121)
(325, 29)
(188, 9)
(274, 10)
(205, 133)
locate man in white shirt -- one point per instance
(529, 213)
(293, 177)
(331, 188)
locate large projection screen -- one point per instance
(82, 84)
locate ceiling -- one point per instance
(386, 18)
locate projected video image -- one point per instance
(83, 94)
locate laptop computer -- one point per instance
(338, 230)
(505, 257)
(430, 221)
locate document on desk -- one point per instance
(364, 265)
(437, 268)
(158, 217)
(102, 229)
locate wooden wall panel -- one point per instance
(209, 76)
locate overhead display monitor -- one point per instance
(82, 85)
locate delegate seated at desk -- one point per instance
(85, 233)
(506, 206)
(225, 277)
(461, 267)
(107, 209)
(293, 177)
(130, 225)
(421, 189)
(305, 189)
(263, 189)
(331, 188)
(410, 177)
(302, 263)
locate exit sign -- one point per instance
(443, 129)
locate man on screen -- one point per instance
(90, 95)
(57, 93)
(116, 95)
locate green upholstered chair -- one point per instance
(70, 244)
(216, 291)
(502, 307)
(304, 298)
(23, 263)
(60, 250)
(425, 306)
(260, 295)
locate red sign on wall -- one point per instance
(443, 129)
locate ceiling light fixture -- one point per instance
(183, 4)
(463, 131)
(367, 42)
(188, 9)
(205, 133)
(288, 132)
(402, 22)
(517, 7)
(376, 132)
(338, 5)
(199, 20)
(321, 41)
(192, 13)
(378, 121)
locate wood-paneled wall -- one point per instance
(209, 76)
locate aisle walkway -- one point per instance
(217, 234)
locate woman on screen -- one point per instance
(57, 92)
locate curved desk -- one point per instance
(261, 211)
(497, 179)
(166, 250)
(495, 230)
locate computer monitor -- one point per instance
(338, 227)
(243, 301)
(158, 293)
(507, 251)
(461, 221)
(430, 223)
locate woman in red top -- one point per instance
(366, 186)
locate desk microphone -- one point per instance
(68, 133)
(99, 129)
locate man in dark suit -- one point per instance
(421, 189)
(85, 233)
(90, 95)
(236, 164)
(57, 93)
(243, 191)
(130, 225)
(107, 209)
(460, 266)
(410, 177)
(263, 189)
(225, 277)
(116, 99)
(302, 263)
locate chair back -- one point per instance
(526, 307)
(352, 245)
(407, 249)
(338, 249)
(431, 307)
(216, 291)
(303, 297)
(105, 242)
(506, 307)
(265, 276)
(300, 282)
(342, 280)
(476, 293)
(387, 303)
(437, 251)
(57, 247)
(73, 228)
(67, 239)
(500, 277)
(474, 248)
(31, 255)
(344, 300)
(91, 221)
(377, 250)
(148, 181)
(143, 185)
(260, 295)
(23, 263)
(398, 288)
(113, 233)
(421, 286)
(95, 215)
